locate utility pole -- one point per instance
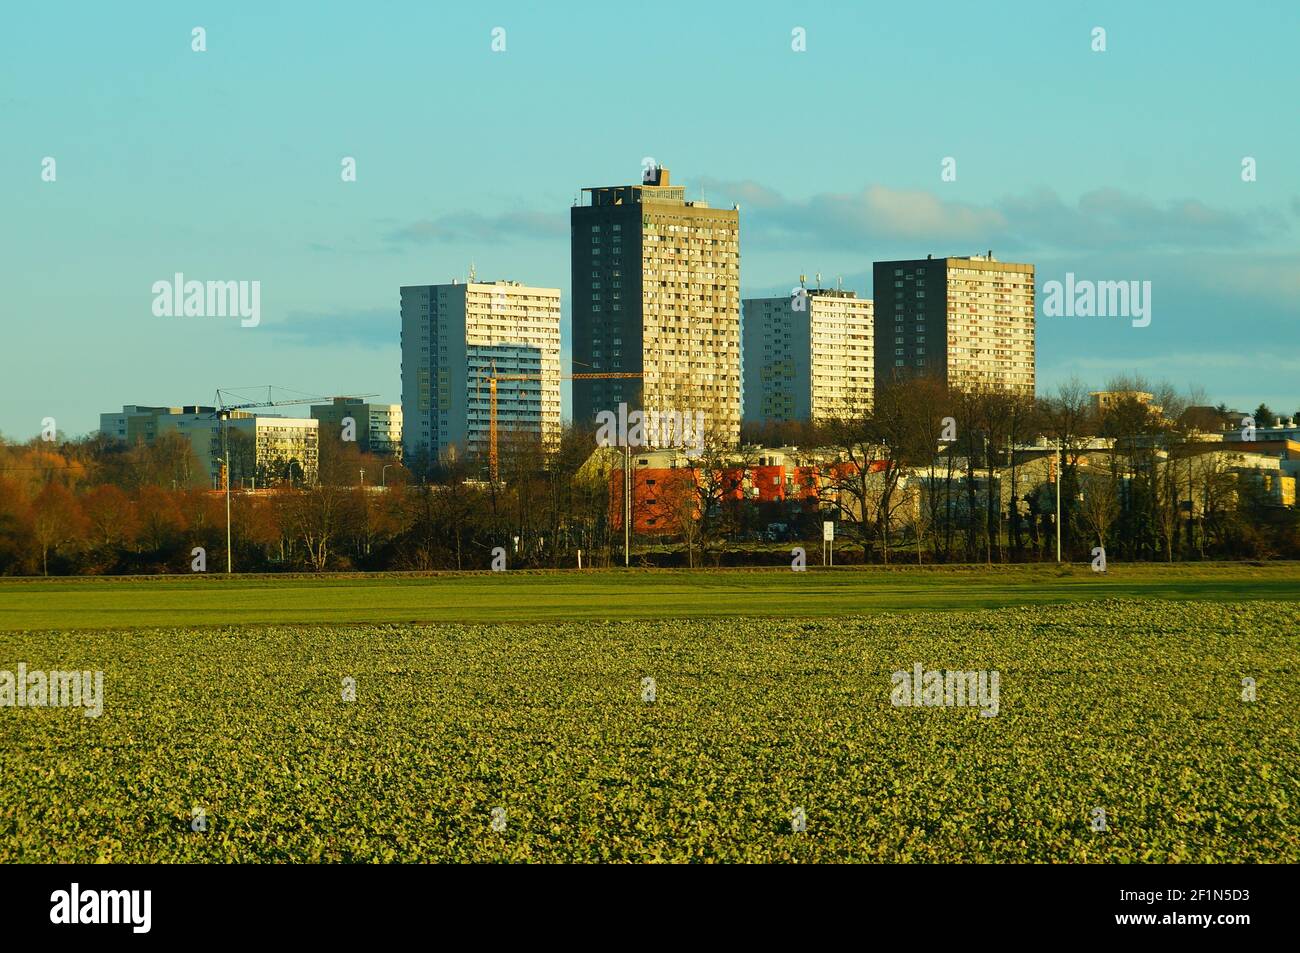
(1058, 499)
(225, 449)
(627, 504)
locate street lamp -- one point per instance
(383, 481)
(225, 463)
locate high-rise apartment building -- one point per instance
(656, 292)
(455, 338)
(376, 428)
(968, 321)
(808, 356)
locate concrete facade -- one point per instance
(967, 321)
(656, 291)
(453, 335)
(808, 356)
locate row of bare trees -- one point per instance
(970, 475)
(925, 474)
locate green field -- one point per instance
(614, 594)
(1131, 705)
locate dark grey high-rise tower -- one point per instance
(656, 291)
(967, 321)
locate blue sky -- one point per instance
(225, 165)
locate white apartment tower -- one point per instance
(808, 356)
(455, 338)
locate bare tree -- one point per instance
(317, 516)
(1099, 506)
(1068, 422)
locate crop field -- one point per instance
(478, 741)
(599, 596)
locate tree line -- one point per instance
(923, 475)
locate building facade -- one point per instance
(656, 292)
(968, 321)
(453, 337)
(265, 449)
(377, 428)
(808, 356)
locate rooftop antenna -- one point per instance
(472, 274)
(803, 281)
(839, 283)
(819, 281)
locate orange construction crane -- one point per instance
(492, 401)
